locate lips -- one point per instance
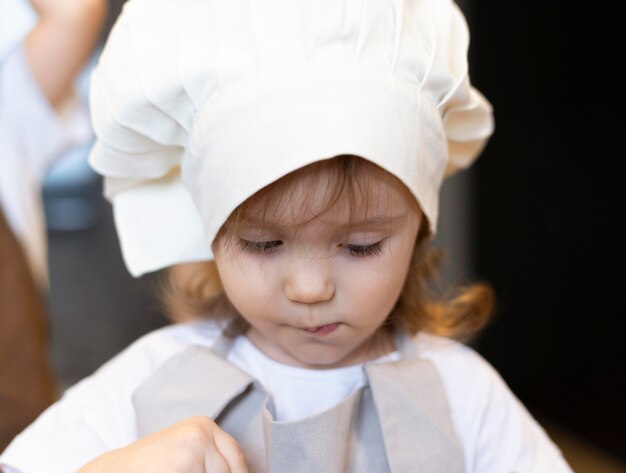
(322, 329)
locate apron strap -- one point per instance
(175, 391)
(414, 417)
(404, 344)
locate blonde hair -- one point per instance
(193, 290)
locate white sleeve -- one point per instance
(17, 18)
(96, 415)
(497, 433)
(42, 132)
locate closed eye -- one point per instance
(259, 247)
(364, 250)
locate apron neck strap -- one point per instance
(194, 382)
(405, 345)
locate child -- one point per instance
(298, 149)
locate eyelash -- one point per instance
(365, 250)
(264, 247)
(259, 247)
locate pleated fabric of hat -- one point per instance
(198, 104)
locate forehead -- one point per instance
(330, 193)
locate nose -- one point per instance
(309, 282)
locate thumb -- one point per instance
(231, 451)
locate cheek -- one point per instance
(382, 283)
(246, 283)
(375, 289)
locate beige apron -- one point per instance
(399, 422)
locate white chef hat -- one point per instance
(199, 104)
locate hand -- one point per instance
(69, 10)
(195, 445)
(61, 43)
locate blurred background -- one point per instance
(538, 217)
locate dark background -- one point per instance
(547, 227)
(549, 210)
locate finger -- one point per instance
(231, 451)
(214, 463)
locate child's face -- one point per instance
(316, 293)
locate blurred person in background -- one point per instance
(44, 46)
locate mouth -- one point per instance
(322, 329)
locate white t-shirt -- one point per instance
(32, 136)
(496, 432)
(296, 392)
